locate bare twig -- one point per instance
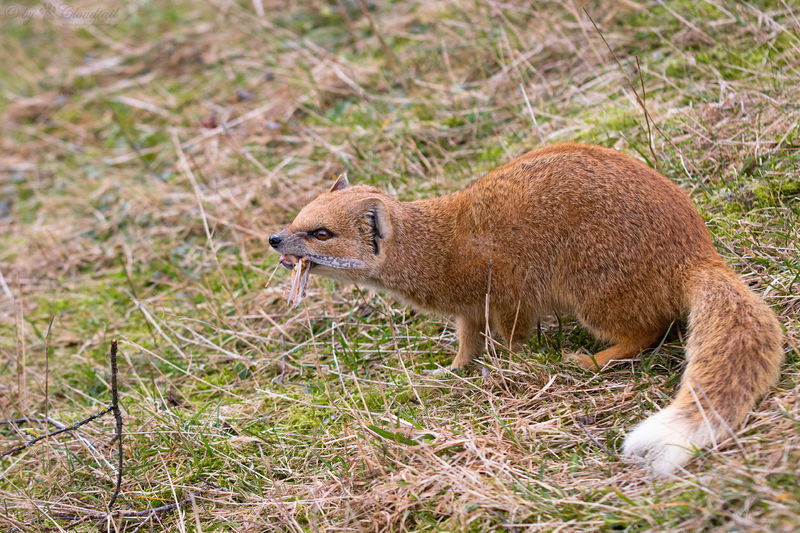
(639, 100)
(47, 368)
(486, 311)
(594, 439)
(647, 116)
(71, 427)
(122, 514)
(118, 418)
(30, 420)
(643, 104)
(61, 428)
(390, 56)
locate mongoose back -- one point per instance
(570, 228)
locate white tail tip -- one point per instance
(666, 441)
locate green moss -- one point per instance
(773, 193)
(764, 194)
(734, 208)
(789, 188)
(614, 119)
(300, 418)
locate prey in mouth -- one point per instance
(289, 260)
(301, 268)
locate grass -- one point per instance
(323, 417)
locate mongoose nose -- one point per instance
(275, 240)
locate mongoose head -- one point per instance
(343, 232)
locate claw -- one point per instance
(442, 372)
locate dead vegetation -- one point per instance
(145, 158)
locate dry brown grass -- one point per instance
(323, 418)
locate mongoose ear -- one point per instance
(377, 214)
(341, 183)
(383, 226)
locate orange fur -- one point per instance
(574, 228)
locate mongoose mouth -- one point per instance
(289, 261)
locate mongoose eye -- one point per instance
(322, 234)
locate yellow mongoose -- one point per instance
(573, 228)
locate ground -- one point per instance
(148, 150)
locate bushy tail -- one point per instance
(734, 352)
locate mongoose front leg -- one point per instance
(515, 328)
(470, 341)
(623, 350)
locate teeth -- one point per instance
(289, 260)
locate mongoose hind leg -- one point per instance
(514, 324)
(622, 350)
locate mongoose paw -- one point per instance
(443, 372)
(456, 370)
(583, 360)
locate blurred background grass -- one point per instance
(322, 418)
